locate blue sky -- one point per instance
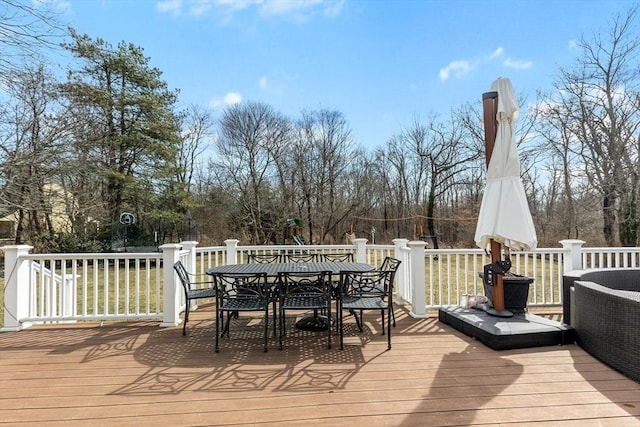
(382, 63)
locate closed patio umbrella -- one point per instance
(504, 218)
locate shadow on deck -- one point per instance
(135, 373)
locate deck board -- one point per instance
(136, 373)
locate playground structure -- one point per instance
(294, 225)
(294, 235)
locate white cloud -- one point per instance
(276, 84)
(230, 98)
(193, 7)
(298, 11)
(200, 7)
(462, 67)
(496, 53)
(173, 7)
(234, 4)
(278, 7)
(572, 44)
(458, 68)
(335, 9)
(518, 65)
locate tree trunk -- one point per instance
(609, 217)
(430, 212)
(629, 222)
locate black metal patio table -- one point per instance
(311, 323)
(272, 269)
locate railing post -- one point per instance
(191, 258)
(418, 297)
(402, 280)
(232, 254)
(361, 249)
(398, 245)
(573, 254)
(16, 291)
(171, 299)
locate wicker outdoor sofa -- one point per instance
(603, 305)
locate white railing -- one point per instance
(67, 287)
(610, 257)
(454, 272)
(49, 284)
(72, 287)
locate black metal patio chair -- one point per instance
(264, 258)
(337, 257)
(241, 292)
(370, 290)
(192, 289)
(304, 291)
(390, 263)
(300, 257)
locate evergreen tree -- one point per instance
(125, 127)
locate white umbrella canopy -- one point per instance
(504, 212)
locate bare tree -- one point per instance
(405, 173)
(559, 143)
(451, 151)
(30, 150)
(197, 132)
(599, 101)
(252, 137)
(323, 159)
(26, 29)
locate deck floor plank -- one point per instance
(136, 373)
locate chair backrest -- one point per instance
(182, 275)
(304, 284)
(367, 284)
(390, 263)
(300, 257)
(242, 285)
(265, 258)
(339, 257)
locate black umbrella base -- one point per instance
(501, 333)
(499, 313)
(313, 323)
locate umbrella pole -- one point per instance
(490, 112)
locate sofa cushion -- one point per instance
(627, 279)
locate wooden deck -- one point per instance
(136, 373)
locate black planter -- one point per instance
(516, 292)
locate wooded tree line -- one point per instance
(111, 137)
